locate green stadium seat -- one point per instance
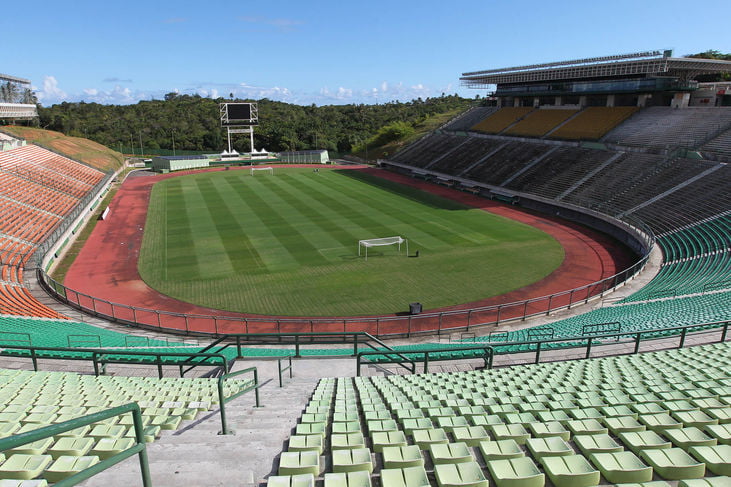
(547, 447)
(38, 447)
(618, 424)
(586, 427)
(381, 439)
(66, 466)
(347, 441)
(673, 463)
(404, 477)
(706, 482)
(722, 432)
(500, 449)
(402, 457)
(516, 472)
(717, 458)
(515, 432)
(687, 437)
(303, 480)
(305, 429)
(450, 453)
(359, 478)
(638, 441)
(659, 422)
(70, 446)
(297, 463)
(23, 483)
(621, 467)
(424, 438)
(547, 429)
(697, 419)
(485, 419)
(352, 460)
(306, 443)
(470, 435)
(24, 467)
(570, 471)
(601, 443)
(466, 474)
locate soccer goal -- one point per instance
(379, 242)
(267, 170)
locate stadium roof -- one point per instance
(659, 63)
(15, 79)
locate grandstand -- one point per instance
(17, 101)
(660, 416)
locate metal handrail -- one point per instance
(287, 368)
(223, 400)
(139, 448)
(100, 356)
(487, 356)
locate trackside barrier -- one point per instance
(222, 400)
(101, 357)
(138, 448)
(445, 321)
(426, 354)
(288, 358)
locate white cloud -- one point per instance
(51, 93)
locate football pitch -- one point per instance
(287, 244)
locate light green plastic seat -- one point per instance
(717, 458)
(722, 415)
(722, 432)
(23, 483)
(602, 443)
(24, 467)
(659, 422)
(413, 424)
(470, 435)
(466, 474)
(638, 441)
(305, 443)
(404, 477)
(344, 417)
(500, 449)
(314, 418)
(347, 441)
(547, 429)
(686, 437)
(652, 483)
(371, 415)
(37, 447)
(66, 466)
(586, 427)
(69, 446)
(448, 423)
(402, 457)
(515, 432)
(673, 464)
(516, 472)
(107, 431)
(618, 424)
(621, 467)
(303, 480)
(706, 482)
(360, 478)
(570, 471)
(352, 460)
(424, 438)
(296, 463)
(450, 453)
(485, 419)
(698, 419)
(381, 439)
(339, 428)
(548, 447)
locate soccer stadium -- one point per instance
(536, 293)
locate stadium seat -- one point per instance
(570, 471)
(305, 443)
(66, 466)
(402, 457)
(466, 474)
(717, 458)
(673, 463)
(442, 453)
(359, 478)
(516, 472)
(621, 467)
(297, 463)
(303, 480)
(500, 449)
(404, 477)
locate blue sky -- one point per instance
(324, 52)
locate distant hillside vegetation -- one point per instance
(79, 149)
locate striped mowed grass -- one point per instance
(287, 244)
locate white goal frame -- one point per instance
(379, 242)
(269, 169)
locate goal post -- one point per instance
(267, 170)
(379, 242)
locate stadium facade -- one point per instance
(641, 79)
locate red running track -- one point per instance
(106, 269)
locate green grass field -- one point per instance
(288, 244)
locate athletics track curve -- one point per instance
(106, 268)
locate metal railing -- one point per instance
(101, 357)
(222, 400)
(281, 370)
(425, 355)
(444, 321)
(139, 448)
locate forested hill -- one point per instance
(192, 122)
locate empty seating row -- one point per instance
(539, 122)
(501, 119)
(470, 118)
(662, 416)
(592, 123)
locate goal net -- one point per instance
(364, 245)
(267, 170)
